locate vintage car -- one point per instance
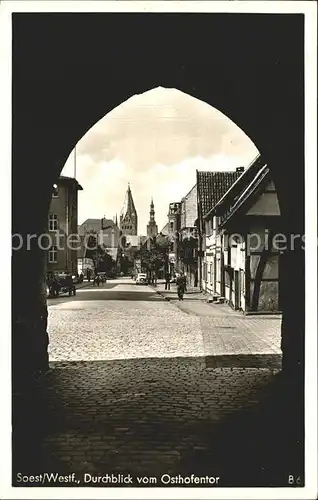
(141, 279)
(60, 284)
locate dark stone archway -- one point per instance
(69, 70)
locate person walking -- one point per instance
(70, 285)
(181, 285)
(167, 281)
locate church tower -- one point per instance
(128, 216)
(152, 228)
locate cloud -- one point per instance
(155, 141)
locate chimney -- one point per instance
(240, 169)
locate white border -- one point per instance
(309, 8)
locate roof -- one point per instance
(248, 178)
(128, 206)
(71, 180)
(166, 229)
(143, 239)
(89, 225)
(211, 186)
(249, 192)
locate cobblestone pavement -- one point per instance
(129, 392)
(229, 337)
(119, 321)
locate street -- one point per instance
(122, 320)
(136, 387)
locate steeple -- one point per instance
(128, 214)
(152, 228)
(152, 213)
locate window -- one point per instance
(53, 222)
(171, 225)
(171, 247)
(53, 254)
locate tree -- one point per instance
(154, 253)
(102, 261)
(106, 263)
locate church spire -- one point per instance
(128, 214)
(152, 228)
(152, 212)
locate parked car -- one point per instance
(67, 285)
(60, 284)
(141, 279)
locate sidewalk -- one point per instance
(192, 293)
(230, 338)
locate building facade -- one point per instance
(63, 222)
(107, 235)
(211, 187)
(243, 258)
(128, 215)
(188, 237)
(173, 228)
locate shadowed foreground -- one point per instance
(160, 416)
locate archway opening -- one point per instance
(156, 141)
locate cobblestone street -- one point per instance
(144, 386)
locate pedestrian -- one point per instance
(155, 279)
(55, 286)
(70, 285)
(181, 285)
(167, 281)
(196, 279)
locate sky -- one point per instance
(155, 141)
